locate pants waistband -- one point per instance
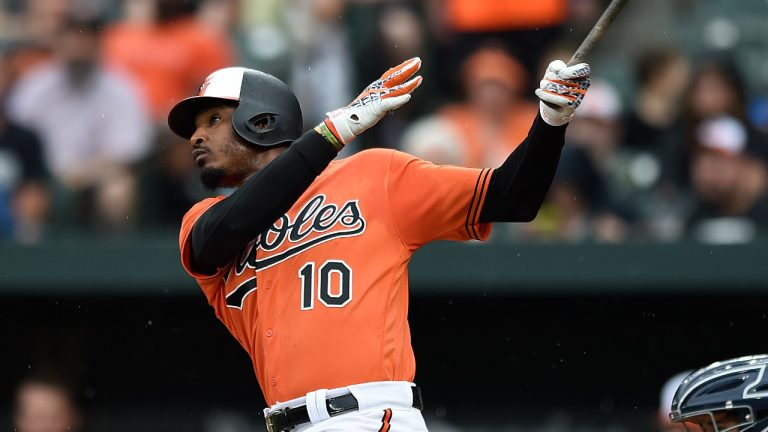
(372, 395)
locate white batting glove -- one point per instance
(386, 94)
(561, 91)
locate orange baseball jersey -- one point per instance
(320, 299)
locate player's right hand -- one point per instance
(386, 94)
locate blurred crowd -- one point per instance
(674, 148)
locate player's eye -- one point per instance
(215, 118)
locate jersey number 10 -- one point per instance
(334, 288)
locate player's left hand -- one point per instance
(563, 88)
(391, 91)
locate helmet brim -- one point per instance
(181, 118)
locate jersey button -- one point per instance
(274, 381)
(269, 284)
(269, 333)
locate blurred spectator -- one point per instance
(46, 403)
(219, 15)
(717, 89)
(321, 67)
(167, 49)
(525, 29)
(488, 125)
(31, 31)
(583, 202)
(662, 77)
(576, 195)
(24, 198)
(730, 181)
(582, 15)
(597, 127)
(170, 183)
(394, 31)
(92, 124)
(263, 37)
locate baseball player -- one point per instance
(306, 261)
(726, 396)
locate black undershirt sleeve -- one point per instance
(229, 225)
(518, 187)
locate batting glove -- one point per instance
(561, 91)
(386, 94)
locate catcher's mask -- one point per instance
(730, 395)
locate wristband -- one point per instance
(326, 133)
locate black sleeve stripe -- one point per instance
(474, 205)
(478, 199)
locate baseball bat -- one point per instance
(598, 30)
(595, 35)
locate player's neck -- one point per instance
(271, 154)
(262, 159)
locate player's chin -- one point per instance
(212, 177)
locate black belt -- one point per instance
(288, 418)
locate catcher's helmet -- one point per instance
(727, 395)
(267, 114)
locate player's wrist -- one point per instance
(555, 116)
(327, 130)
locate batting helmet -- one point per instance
(267, 114)
(727, 395)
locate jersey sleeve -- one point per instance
(436, 202)
(187, 223)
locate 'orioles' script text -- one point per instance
(315, 223)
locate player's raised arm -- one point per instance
(245, 130)
(518, 187)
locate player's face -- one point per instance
(703, 423)
(716, 176)
(222, 158)
(43, 409)
(712, 95)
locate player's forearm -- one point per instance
(518, 187)
(227, 227)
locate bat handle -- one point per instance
(598, 30)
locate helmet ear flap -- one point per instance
(262, 123)
(259, 127)
(269, 113)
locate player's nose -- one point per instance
(198, 137)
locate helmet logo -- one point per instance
(203, 87)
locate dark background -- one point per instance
(596, 359)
